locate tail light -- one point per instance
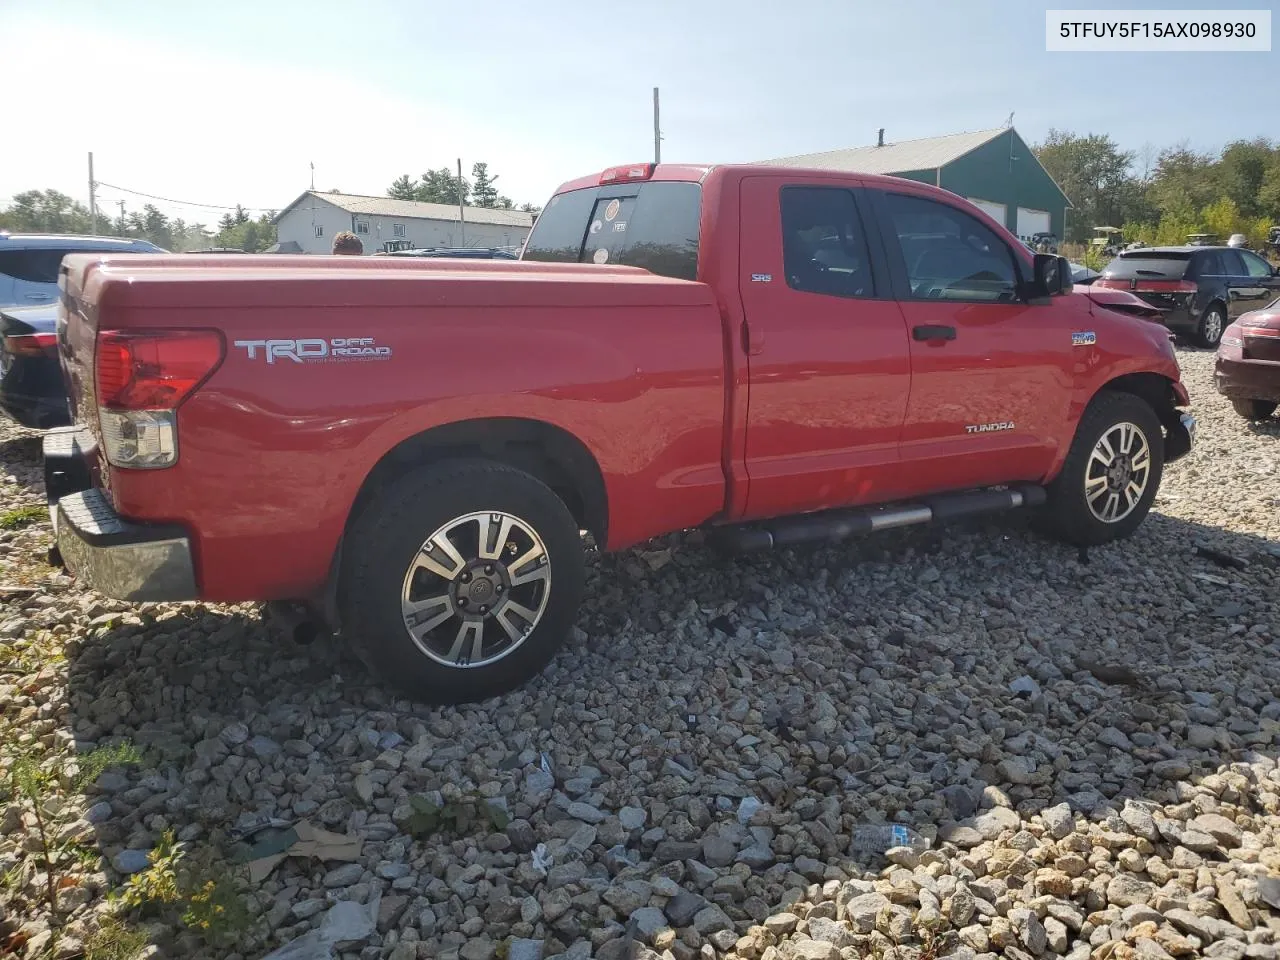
(1150, 286)
(30, 344)
(141, 380)
(637, 171)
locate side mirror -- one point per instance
(1051, 278)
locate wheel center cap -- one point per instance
(481, 590)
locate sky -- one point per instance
(230, 102)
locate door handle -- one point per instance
(933, 332)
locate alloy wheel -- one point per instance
(476, 589)
(1118, 471)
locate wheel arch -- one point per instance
(552, 454)
(1161, 394)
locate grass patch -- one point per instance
(22, 517)
(115, 940)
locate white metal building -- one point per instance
(309, 224)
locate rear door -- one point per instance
(827, 350)
(991, 375)
(1253, 283)
(34, 274)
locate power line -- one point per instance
(185, 203)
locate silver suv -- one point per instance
(29, 262)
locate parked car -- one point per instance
(1082, 275)
(29, 262)
(31, 387)
(1044, 242)
(1247, 368)
(465, 253)
(1199, 290)
(275, 428)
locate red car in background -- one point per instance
(1247, 370)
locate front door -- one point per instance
(1252, 284)
(828, 359)
(991, 375)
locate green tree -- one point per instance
(404, 187)
(1244, 164)
(1094, 173)
(1184, 179)
(484, 192)
(1269, 191)
(442, 186)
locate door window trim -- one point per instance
(876, 270)
(878, 198)
(882, 280)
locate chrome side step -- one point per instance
(841, 524)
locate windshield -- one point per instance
(650, 225)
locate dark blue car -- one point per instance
(31, 387)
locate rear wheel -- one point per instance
(1111, 474)
(462, 581)
(1254, 409)
(1212, 322)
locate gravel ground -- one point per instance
(1089, 744)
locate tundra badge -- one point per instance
(988, 427)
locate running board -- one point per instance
(839, 524)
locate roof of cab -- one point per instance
(697, 173)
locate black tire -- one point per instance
(1067, 514)
(387, 538)
(1254, 409)
(1207, 334)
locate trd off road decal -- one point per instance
(316, 350)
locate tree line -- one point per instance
(50, 211)
(1159, 196)
(445, 186)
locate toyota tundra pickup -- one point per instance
(414, 450)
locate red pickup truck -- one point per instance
(413, 449)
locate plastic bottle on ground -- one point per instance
(879, 837)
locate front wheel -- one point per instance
(1212, 322)
(461, 581)
(1111, 474)
(1254, 409)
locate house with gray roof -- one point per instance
(309, 224)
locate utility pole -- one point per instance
(657, 130)
(462, 216)
(93, 198)
(121, 202)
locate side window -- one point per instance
(1256, 266)
(34, 266)
(948, 254)
(824, 249)
(1233, 263)
(1212, 265)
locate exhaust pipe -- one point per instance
(295, 620)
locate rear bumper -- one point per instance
(114, 556)
(1247, 379)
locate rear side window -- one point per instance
(34, 266)
(824, 249)
(1213, 264)
(1151, 265)
(651, 225)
